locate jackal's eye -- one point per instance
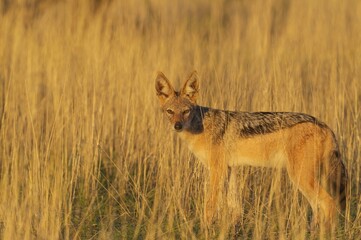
(170, 111)
(186, 111)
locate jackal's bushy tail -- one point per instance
(337, 178)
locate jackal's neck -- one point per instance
(195, 128)
(196, 125)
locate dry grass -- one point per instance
(85, 152)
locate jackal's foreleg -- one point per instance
(217, 176)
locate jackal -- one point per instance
(303, 145)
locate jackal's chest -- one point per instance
(199, 146)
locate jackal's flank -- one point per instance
(303, 145)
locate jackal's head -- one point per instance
(178, 106)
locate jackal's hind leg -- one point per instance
(322, 204)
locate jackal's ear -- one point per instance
(163, 87)
(191, 87)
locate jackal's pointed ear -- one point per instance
(163, 87)
(191, 87)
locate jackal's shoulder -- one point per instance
(249, 124)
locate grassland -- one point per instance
(85, 152)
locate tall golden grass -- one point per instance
(85, 152)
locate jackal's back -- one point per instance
(251, 124)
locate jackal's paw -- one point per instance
(209, 213)
(209, 217)
(314, 225)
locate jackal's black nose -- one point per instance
(178, 126)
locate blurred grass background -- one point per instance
(85, 152)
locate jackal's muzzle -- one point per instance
(178, 126)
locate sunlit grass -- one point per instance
(85, 151)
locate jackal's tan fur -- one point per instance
(298, 142)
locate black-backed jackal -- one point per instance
(295, 141)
